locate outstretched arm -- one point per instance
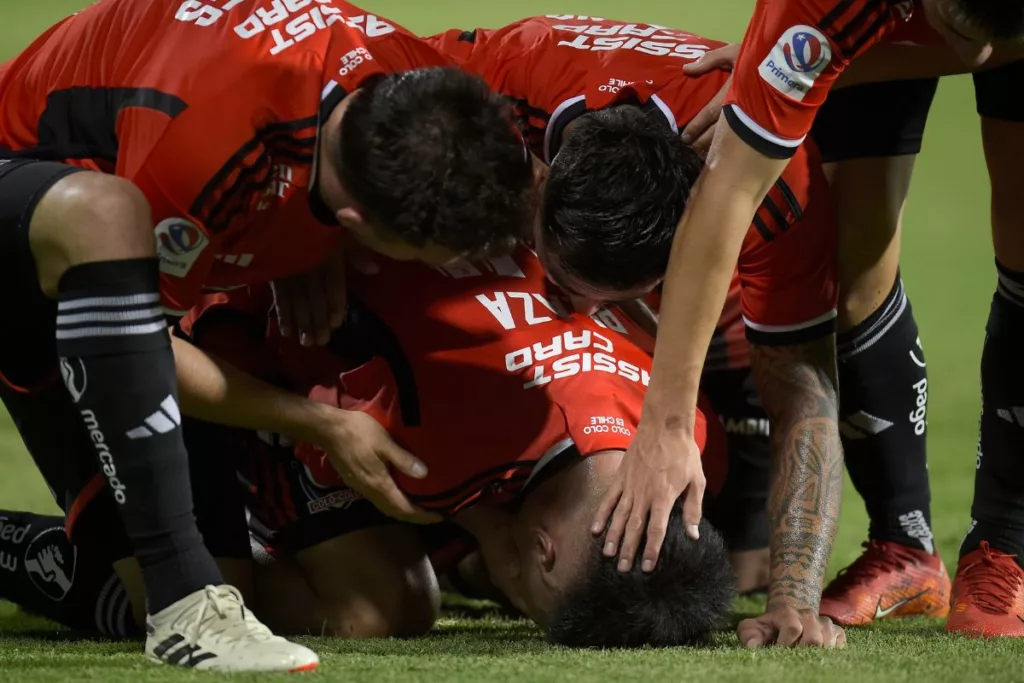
(798, 387)
(663, 460)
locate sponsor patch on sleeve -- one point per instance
(801, 54)
(178, 244)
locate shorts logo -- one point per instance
(50, 561)
(801, 54)
(75, 379)
(178, 245)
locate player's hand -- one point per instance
(312, 304)
(656, 470)
(362, 452)
(790, 627)
(699, 132)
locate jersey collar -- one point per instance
(330, 97)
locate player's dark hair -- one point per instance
(1000, 20)
(432, 155)
(614, 196)
(689, 594)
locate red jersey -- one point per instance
(792, 53)
(212, 108)
(475, 368)
(560, 66)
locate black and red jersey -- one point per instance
(212, 108)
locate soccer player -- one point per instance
(520, 412)
(871, 152)
(792, 53)
(876, 160)
(619, 179)
(240, 133)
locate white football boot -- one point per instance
(212, 629)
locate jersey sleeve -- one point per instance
(206, 172)
(792, 53)
(787, 267)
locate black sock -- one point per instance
(883, 400)
(998, 510)
(45, 575)
(117, 362)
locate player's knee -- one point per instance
(87, 217)
(404, 609)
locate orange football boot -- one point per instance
(988, 596)
(888, 579)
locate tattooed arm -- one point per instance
(798, 387)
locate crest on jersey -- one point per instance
(799, 56)
(178, 245)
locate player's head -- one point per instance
(428, 165)
(613, 197)
(972, 26)
(566, 585)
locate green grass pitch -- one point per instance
(949, 274)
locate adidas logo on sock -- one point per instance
(164, 420)
(862, 425)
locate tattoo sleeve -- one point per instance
(798, 387)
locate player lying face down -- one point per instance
(607, 122)
(521, 416)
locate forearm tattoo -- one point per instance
(798, 386)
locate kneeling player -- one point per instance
(474, 368)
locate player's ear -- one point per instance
(351, 218)
(544, 549)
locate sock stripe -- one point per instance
(120, 331)
(891, 312)
(130, 301)
(105, 316)
(101, 603)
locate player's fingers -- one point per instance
(403, 461)
(606, 507)
(813, 632)
(337, 292)
(316, 299)
(752, 633)
(634, 533)
(392, 502)
(720, 58)
(617, 525)
(657, 527)
(283, 305)
(840, 636)
(302, 320)
(692, 510)
(703, 144)
(790, 629)
(699, 125)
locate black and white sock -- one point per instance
(998, 510)
(883, 384)
(44, 574)
(117, 363)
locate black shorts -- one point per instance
(28, 344)
(288, 510)
(874, 120)
(739, 511)
(997, 92)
